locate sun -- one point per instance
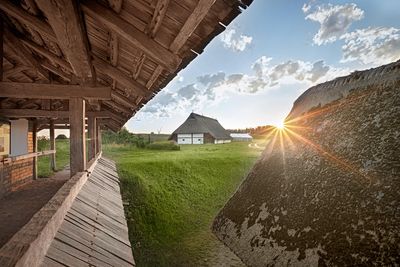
(280, 125)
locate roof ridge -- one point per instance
(196, 114)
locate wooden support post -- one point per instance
(1, 47)
(35, 149)
(77, 142)
(98, 139)
(92, 138)
(52, 146)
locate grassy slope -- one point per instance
(62, 157)
(174, 195)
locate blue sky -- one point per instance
(251, 73)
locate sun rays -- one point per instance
(287, 133)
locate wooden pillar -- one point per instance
(1, 47)
(77, 142)
(35, 149)
(98, 132)
(92, 137)
(52, 146)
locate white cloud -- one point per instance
(334, 20)
(235, 41)
(306, 8)
(210, 89)
(180, 78)
(188, 91)
(376, 46)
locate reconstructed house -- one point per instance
(241, 137)
(198, 129)
(326, 190)
(81, 65)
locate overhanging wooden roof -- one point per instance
(128, 49)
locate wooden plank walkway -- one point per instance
(94, 231)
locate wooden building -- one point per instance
(90, 64)
(198, 129)
(241, 137)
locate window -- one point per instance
(4, 139)
(183, 139)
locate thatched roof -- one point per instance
(196, 123)
(133, 47)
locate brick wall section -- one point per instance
(15, 174)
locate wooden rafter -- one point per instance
(64, 17)
(38, 113)
(57, 71)
(134, 87)
(113, 44)
(116, 5)
(157, 18)
(117, 97)
(114, 114)
(117, 107)
(44, 52)
(19, 50)
(127, 31)
(30, 20)
(52, 91)
(191, 24)
(1, 47)
(32, 8)
(138, 66)
(15, 70)
(157, 72)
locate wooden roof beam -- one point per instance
(18, 49)
(157, 18)
(104, 67)
(52, 91)
(1, 48)
(117, 97)
(57, 71)
(15, 70)
(157, 72)
(49, 55)
(198, 14)
(28, 19)
(129, 32)
(116, 5)
(39, 113)
(114, 114)
(65, 18)
(119, 108)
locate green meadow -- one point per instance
(62, 157)
(171, 196)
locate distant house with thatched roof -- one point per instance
(198, 129)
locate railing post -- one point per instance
(35, 149)
(77, 142)
(92, 137)
(98, 134)
(52, 146)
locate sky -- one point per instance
(250, 74)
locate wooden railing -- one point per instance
(27, 156)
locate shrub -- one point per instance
(123, 137)
(61, 136)
(163, 146)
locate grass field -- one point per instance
(62, 157)
(173, 197)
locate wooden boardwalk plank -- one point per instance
(94, 231)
